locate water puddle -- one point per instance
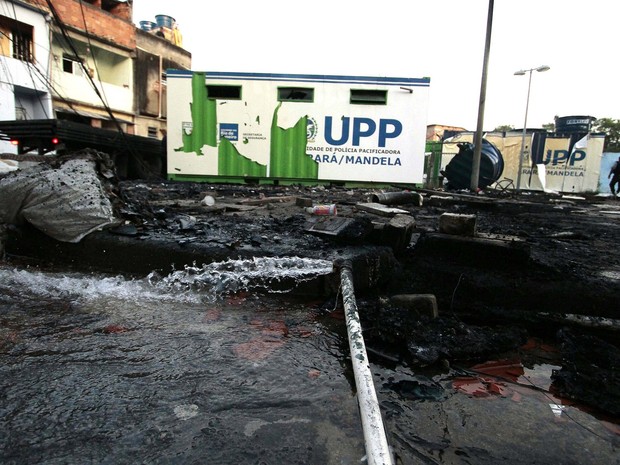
(198, 367)
(499, 411)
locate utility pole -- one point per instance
(475, 165)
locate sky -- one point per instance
(440, 39)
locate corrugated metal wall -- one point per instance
(231, 163)
(288, 158)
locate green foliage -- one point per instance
(504, 128)
(549, 127)
(611, 128)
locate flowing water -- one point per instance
(199, 367)
(103, 369)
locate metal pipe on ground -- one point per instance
(397, 198)
(377, 449)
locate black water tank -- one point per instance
(458, 170)
(570, 124)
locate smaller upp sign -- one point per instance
(563, 157)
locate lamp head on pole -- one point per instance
(540, 69)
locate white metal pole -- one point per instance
(522, 72)
(377, 449)
(522, 154)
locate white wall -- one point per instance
(78, 87)
(29, 78)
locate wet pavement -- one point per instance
(106, 369)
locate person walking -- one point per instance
(614, 174)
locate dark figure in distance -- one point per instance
(614, 174)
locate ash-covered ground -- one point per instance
(562, 283)
(568, 260)
(540, 264)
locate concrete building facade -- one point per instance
(84, 61)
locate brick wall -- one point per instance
(115, 26)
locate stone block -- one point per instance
(440, 201)
(303, 201)
(397, 232)
(458, 224)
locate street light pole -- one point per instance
(522, 72)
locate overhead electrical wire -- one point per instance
(36, 66)
(92, 54)
(70, 43)
(33, 65)
(44, 77)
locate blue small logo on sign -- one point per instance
(311, 129)
(229, 131)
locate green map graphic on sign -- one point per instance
(287, 157)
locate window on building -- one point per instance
(295, 94)
(224, 92)
(368, 97)
(71, 65)
(16, 39)
(22, 43)
(152, 132)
